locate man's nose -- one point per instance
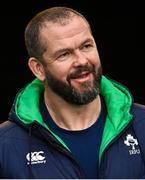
(79, 58)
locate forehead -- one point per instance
(55, 33)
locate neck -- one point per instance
(72, 117)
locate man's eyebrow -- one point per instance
(59, 51)
(87, 40)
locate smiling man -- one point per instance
(71, 121)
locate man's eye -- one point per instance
(63, 56)
(87, 46)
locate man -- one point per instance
(71, 121)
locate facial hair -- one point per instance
(71, 94)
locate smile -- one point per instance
(85, 76)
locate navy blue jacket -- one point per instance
(29, 149)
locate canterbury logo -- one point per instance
(35, 157)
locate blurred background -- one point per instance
(118, 30)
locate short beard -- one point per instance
(69, 93)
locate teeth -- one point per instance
(82, 75)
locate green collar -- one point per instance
(117, 98)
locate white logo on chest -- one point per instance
(132, 142)
(35, 158)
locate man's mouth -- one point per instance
(81, 74)
(82, 77)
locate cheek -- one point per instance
(95, 60)
(60, 72)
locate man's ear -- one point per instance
(37, 68)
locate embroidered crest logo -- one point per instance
(132, 142)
